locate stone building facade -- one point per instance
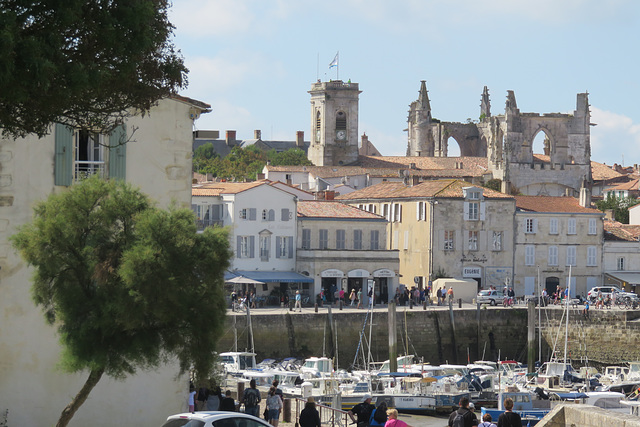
(444, 228)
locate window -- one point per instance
(591, 256)
(245, 246)
(357, 239)
(571, 255)
(268, 215)
(396, 237)
(340, 239)
(396, 213)
(406, 240)
(284, 247)
(497, 241)
(208, 215)
(306, 238)
(473, 211)
(473, 240)
(374, 244)
(553, 255)
(372, 208)
(620, 264)
(553, 226)
(386, 211)
(265, 245)
(421, 211)
(529, 255)
(323, 240)
(248, 214)
(341, 120)
(529, 225)
(571, 226)
(318, 126)
(592, 226)
(79, 154)
(285, 214)
(449, 236)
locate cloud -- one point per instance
(615, 139)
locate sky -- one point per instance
(254, 62)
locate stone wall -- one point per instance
(608, 336)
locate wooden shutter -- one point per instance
(284, 214)
(290, 244)
(239, 247)
(63, 163)
(252, 241)
(278, 246)
(252, 214)
(118, 153)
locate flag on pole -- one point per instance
(334, 63)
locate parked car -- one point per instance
(214, 419)
(608, 290)
(490, 297)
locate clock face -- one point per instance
(341, 134)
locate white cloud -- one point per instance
(615, 139)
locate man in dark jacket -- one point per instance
(227, 403)
(309, 417)
(362, 411)
(470, 419)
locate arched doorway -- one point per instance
(541, 143)
(453, 147)
(551, 284)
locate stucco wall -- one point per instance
(31, 386)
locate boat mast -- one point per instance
(566, 333)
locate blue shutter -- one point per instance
(118, 153)
(290, 243)
(278, 246)
(252, 241)
(63, 164)
(239, 247)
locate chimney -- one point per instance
(505, 187)
(320, 195)
(231, 138)
(585, 197)
(329, 195)
(412, 165)
(260, 176)
(257, 134)
(415, 180)
(300, 139)
(608, 214)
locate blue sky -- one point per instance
(255, 60)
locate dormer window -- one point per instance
(472, 193)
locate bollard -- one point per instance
(240, 389)
(424, 305)
(410, 304)
(286, 411)
(459, 302)
(316, 307)
(340, 304)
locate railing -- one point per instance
(85, 168)
(328, 416)
(203, 223)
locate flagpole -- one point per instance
(338, 66)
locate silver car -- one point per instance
(214, 419)
(490, 297)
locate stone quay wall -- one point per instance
(607, 336)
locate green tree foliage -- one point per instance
(619, 205)
(494, 184)
(83, 62)
(244, 163)
(124, 282)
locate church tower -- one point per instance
(334, 123)
(421, 141)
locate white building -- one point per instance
(157, 159)
(621, 252)
(262, 220)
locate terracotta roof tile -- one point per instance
(614, 230)
(217, 188)
(330, 209)
(631, 185)
(435, 188)
(602, 172)
(551, 204)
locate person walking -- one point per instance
(361, 413)
(486, 421)
(463, 417)
(450, 294)
(393, 420)
(251, 399)
(192, 399)
(274, 405)
(439, 295)
(359, 297)
(214, 399)
(379, 415)
(352, 297)
(227, 403)
(509, 418)
(309, 416)
(298, 301)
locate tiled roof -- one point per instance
(473, 166)
(614, 230)
(631, 185)
(217, 188)
(601, 172)
(551, 204)
(329, 209)
(436, 188)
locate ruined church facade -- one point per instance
(506, 140)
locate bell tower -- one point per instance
(334, 123)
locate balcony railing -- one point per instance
(204, 223)
(86, 168)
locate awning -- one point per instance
(632, 278)
(275, 276)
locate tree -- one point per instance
(619, 205)
(291, 157)
(125, 283)
(83, 63)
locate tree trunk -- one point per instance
(72, 408)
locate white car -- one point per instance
(489, 296)
(608, 290)
(214, 419)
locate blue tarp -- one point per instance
(571, 396)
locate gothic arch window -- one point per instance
(541, 143)
(341, 120)
(318, 125)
